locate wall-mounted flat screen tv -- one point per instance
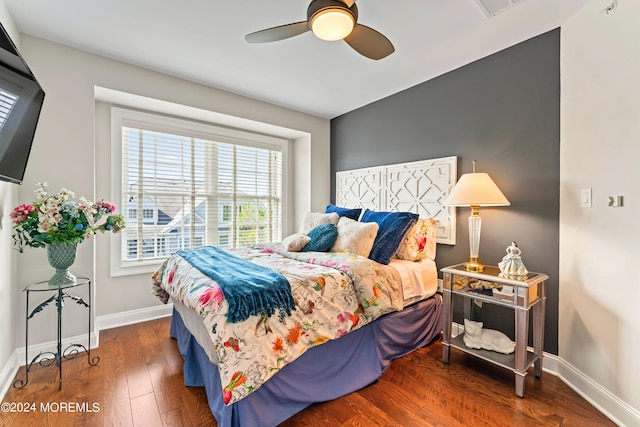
(21, 99)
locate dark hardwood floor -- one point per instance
(139, 382)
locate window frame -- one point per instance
(119, 266)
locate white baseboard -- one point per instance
(8, 373)
(134, 316)
(456, 329)
(618, 411)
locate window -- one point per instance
(150, 248)
(186, 185)
(226, 213)
(223, 240)
(8, 100)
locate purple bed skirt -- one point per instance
(322, 373)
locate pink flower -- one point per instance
(331, 263)
(212, 296)
(106, 205)
(172, 273)
(21, 213)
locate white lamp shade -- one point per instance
(476, 189)
(332, 24)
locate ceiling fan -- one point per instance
(331, 20)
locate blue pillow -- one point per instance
(353, 213)
(322, 238)
(392, 228)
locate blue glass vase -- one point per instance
(61, 256)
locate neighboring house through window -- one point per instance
(186, 185)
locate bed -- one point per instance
(349, 313)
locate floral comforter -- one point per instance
(335, 293)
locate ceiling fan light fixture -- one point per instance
(332, 24)
(332, 20)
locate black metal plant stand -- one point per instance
(48, 358)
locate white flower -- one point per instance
(41, 191)
(66, 194)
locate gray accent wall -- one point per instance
(502, 111)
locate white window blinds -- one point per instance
(7, 101)
(185, 187)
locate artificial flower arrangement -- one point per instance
(60, 219)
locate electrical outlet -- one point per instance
(616, 201)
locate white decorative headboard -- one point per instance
(420, 187)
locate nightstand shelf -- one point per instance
(507, 361)
(522, 294)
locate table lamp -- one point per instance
(474, 190)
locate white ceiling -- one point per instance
(203, 41)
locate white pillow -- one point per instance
(420, 242)
(295, 242)
(355, 237)
(314, 219)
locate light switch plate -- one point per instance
(585, 197)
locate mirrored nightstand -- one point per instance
(521, 294)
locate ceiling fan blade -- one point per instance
(349, 3)
(368, 42)
(277, 33)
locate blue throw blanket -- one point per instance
(249, 289)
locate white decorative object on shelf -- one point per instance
(488, 339)
(512, 265)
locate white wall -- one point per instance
(71, 150)
(599, 328)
